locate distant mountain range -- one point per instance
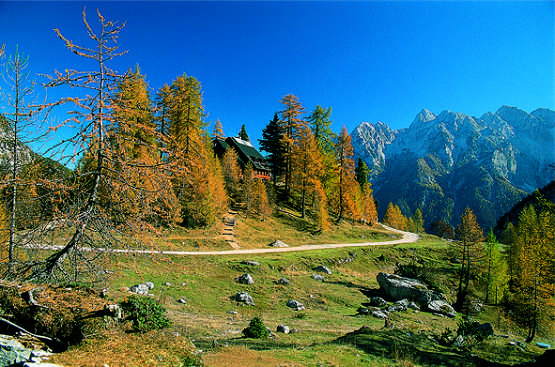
(444, 163)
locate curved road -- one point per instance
(407, 237)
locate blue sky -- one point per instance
(370, 61)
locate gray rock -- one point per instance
(278, 243)
(442, 308)
(141, 289)
(363, 311)
(245, 298)
(323, 269)
(296, 305)
(413, 306)
(12, 351)
(380, 314)
(543, 345)
(168, 284)
(282, 329)
(283, 281)
(378, 302)
(318, 277)
(150, 285)
(182, 300)
(115, 310)
(397, 288)
(459, 341)
(245, 279)
(398, 307)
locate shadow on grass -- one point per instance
(401, 345)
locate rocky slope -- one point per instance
(444, 163)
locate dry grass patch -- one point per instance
(241, 356)
(120, 349)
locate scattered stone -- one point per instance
(282, 329)
(182, 300)
(476, 306)
(363, 311)
(459, 341)
(397, 308)
(115, 310)
(245, 279)
(294, 331)
(543, 345)
(283, 281)
(245, 298)
(323, 269)
(251, 263)
(184, 284)
(270, 332)
(378, 302)
(234, 313)
(318, 277)
(296, 305)
(380, 314)
(278, 243)
(168, 284)
(142, 288)
(12, 352)
(442, 308)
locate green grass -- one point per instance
(325, 329)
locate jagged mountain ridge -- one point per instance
(443, 163)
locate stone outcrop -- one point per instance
(398, 288)
(245, 279)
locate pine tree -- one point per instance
(271, 143)
(469, 234)
(362, 172)
(243, 133)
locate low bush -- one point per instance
(146, 313)
(256, 329)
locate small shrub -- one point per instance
(146, 313)
(191, 361)
(256, 329)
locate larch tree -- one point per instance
(232, 173)
(534, 277)
(418, 221)
(291, 120)
(218, 131)
(469, 235)
(271, 143)
(144, 193)
(496, 273)
(16, 123)
(320, 122)
(306, 165)
(346, 175)
(90, 112)
(394, 217)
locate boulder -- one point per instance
(245, 279)
(282, 329)
(323, 269)
(413, 306)
(12, 351)
(182, 300)
(318, 277)
(397, 288)
(296, 305)
(442, 308)
(245, 298)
